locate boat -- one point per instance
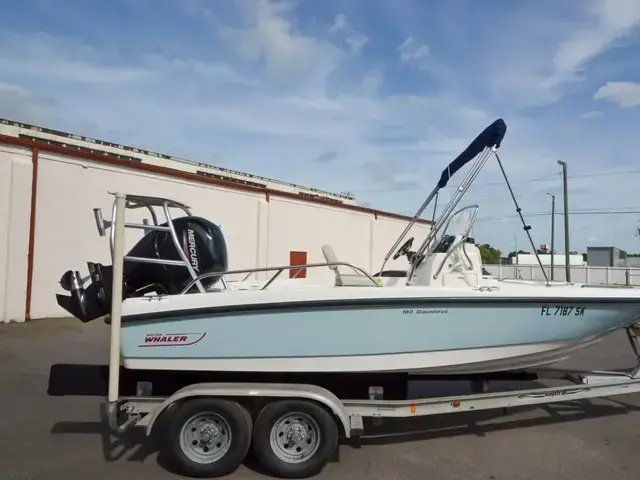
(181, 310)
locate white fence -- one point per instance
(593, 275)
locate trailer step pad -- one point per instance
(357, 425)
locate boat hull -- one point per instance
(432, 337)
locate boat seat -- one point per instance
(354, 279)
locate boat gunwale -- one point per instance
(392, 302)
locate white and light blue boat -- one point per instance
(440, 316)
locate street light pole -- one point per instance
(553, 225)
(566, 220)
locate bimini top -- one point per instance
(490, 137)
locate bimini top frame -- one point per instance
(480, 149)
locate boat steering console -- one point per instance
(405, 249)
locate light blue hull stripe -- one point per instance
(364, 331)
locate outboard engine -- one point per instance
(205, 249)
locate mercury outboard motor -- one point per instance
(205, 249)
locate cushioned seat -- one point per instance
(345, 279)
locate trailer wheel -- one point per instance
(208, 437)
(294, 438)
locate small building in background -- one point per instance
(526, 259)
(606, 257)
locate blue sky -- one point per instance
(375, 97)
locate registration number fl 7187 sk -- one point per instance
(561, 310)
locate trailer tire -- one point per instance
(208, 437)
(294, 438)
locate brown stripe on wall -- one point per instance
(32, 231)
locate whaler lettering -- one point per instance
(165, 338)
(158, 339)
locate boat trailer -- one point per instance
(293, 428)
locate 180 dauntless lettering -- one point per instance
(418, 311)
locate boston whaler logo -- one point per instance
(191, 250)
(171, 339)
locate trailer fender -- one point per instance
(259, 390)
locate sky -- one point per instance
(373, 97)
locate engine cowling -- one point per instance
(202, 242)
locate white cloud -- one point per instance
(354, 39)
(60, 59)
(623, 94)
(371, 81)
(390, 175)
(608, 21)
(554, 56)
(20, 103)
(413, 52)
(268, 36)
(591, 114)
(217, 71)
(356, 43)
(340, 24)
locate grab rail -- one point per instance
(279, 269)
(472, 219)
(462, 242)
(606, 285)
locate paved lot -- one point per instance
(57, 438)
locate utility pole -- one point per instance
(566, 220)
(553, 225)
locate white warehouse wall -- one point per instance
(15, 207)
(301, 226)
(66, 235)
(260, 229)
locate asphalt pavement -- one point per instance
(63, 438)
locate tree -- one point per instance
(489, 255)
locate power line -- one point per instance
(585, 212)
(489, 184)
